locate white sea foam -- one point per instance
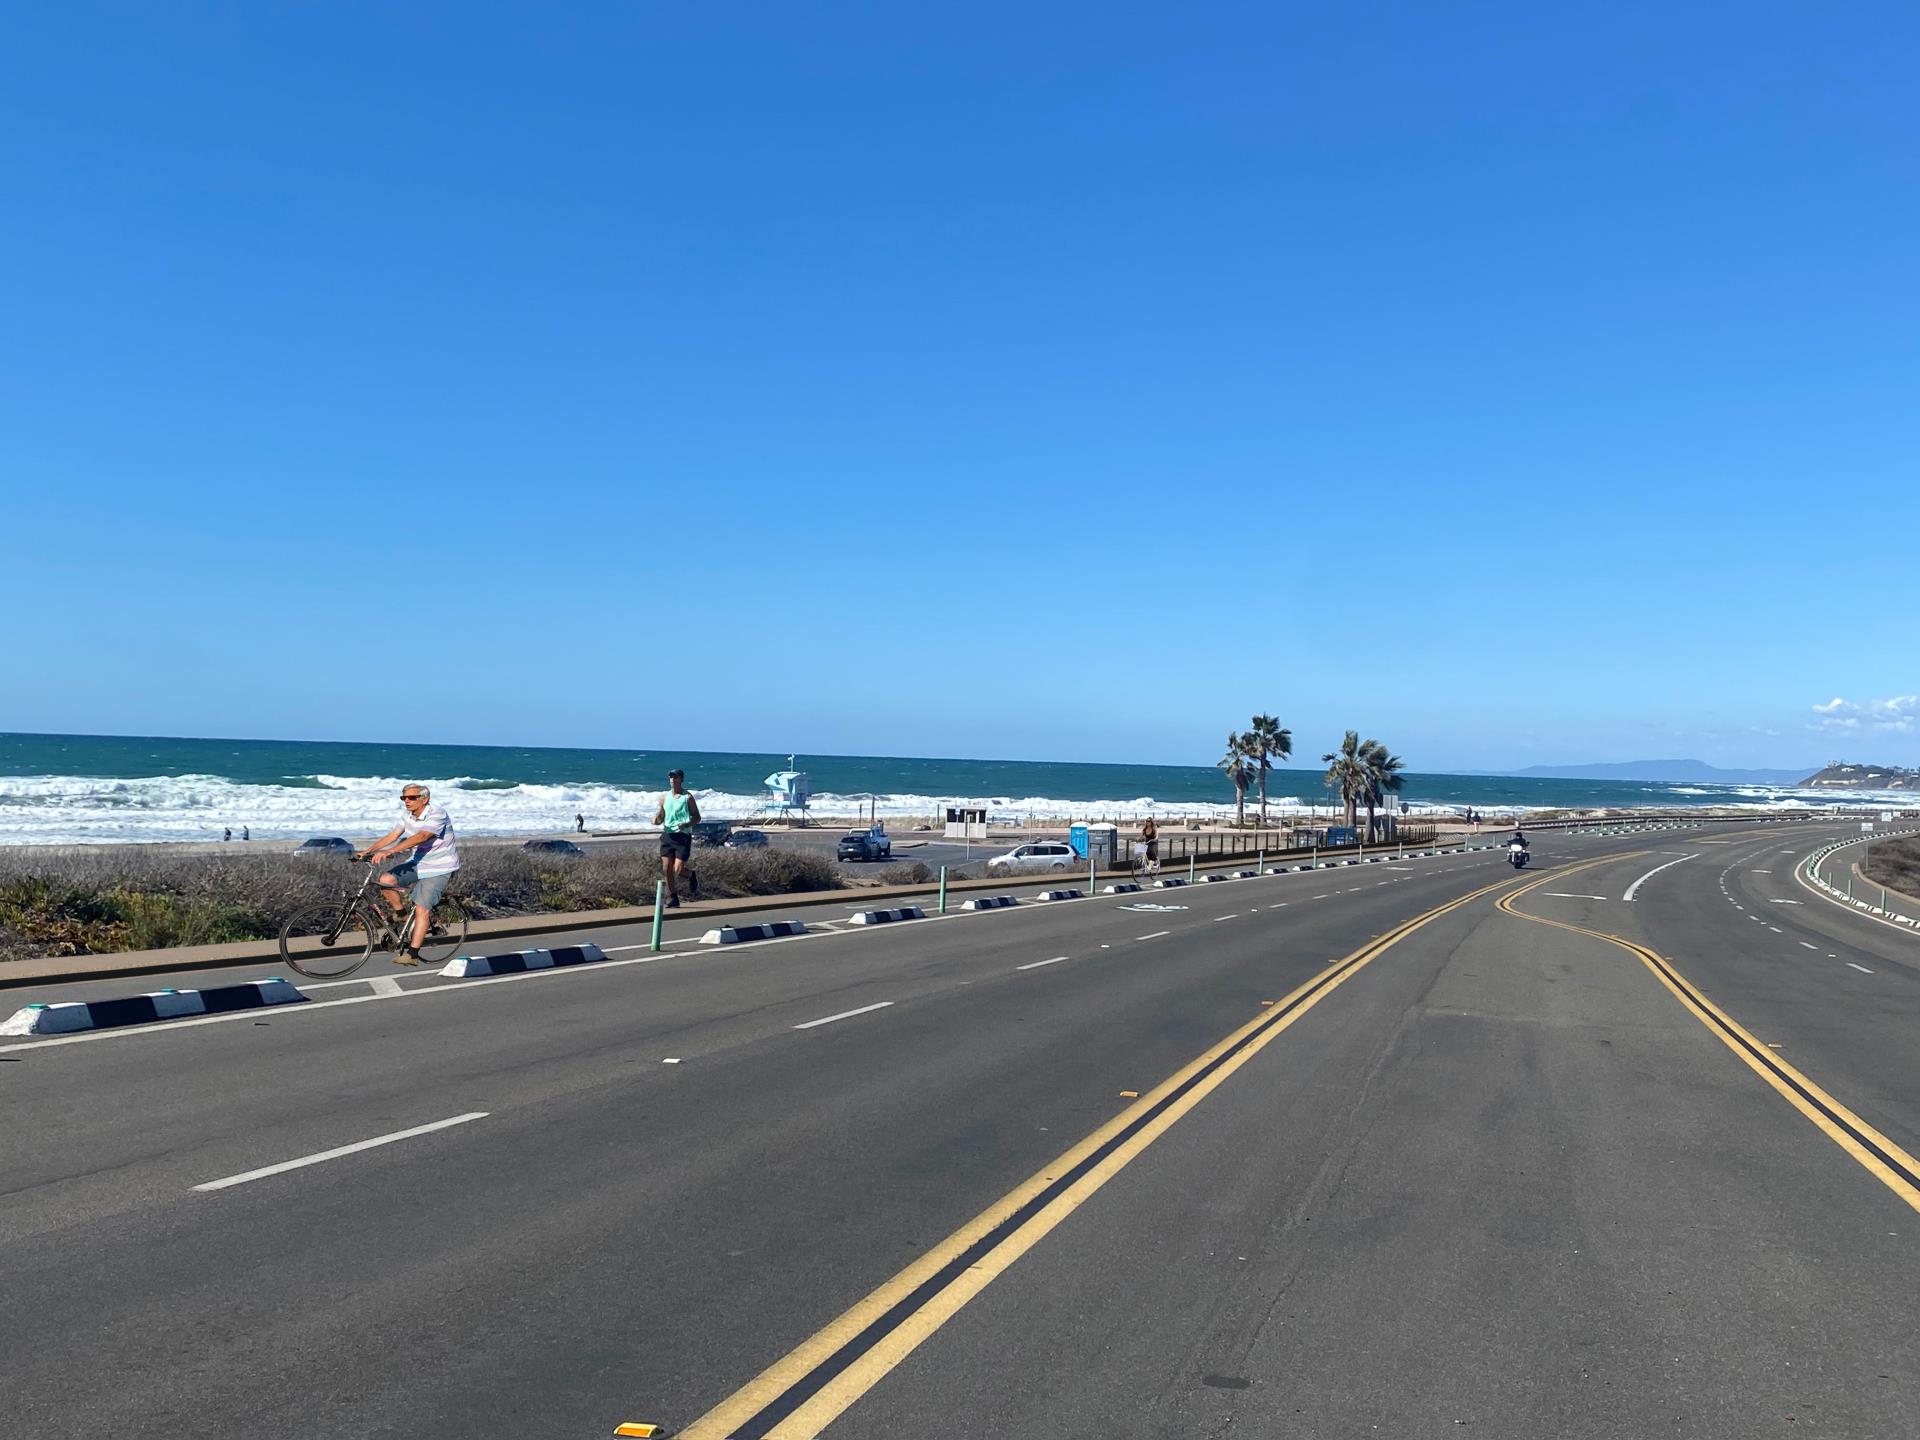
(55, 809)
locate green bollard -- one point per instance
(1093, 872)
(659, 909)
(943, 889)
(1260, 863)
(1190, 864)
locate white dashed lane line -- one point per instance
(353, 1149)
(1861, 968)
(1154, 936)
(845, 1015)
(1036, 964)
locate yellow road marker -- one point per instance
(802, 1393)
(1883, 1159)
(637, 1427)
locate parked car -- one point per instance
(324, 845)
(712, 832)
(746, 839)
(871, 844)
(1039, 856)
(553, 847)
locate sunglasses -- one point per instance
(413, 797)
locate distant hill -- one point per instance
(1696, 772)
(1864, 777)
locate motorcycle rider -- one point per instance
(1519, 837)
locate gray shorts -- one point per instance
(427, 889)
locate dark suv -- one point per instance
(863, 846)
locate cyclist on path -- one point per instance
(1150, 832)
(425, 830)
(679, 812)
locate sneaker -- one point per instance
(407, 956)
(673, 902)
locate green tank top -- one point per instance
(676, 808)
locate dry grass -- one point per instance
(85, 903)
(1895, 864)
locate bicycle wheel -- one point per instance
(446, 931)
(342, 939)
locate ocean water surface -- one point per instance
(77, 789)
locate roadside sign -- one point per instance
(1866, 825)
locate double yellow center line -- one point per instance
(1893, 1166)
(799, 1395)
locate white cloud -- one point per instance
(1899, 713)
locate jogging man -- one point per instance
(425, 830)
(679, 812)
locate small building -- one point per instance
(966, 822)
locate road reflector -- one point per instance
(638, 1427)
(1129, 1094)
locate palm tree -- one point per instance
(1383, 775)
(1234, 763)
(1269, 740)
(1347, 773)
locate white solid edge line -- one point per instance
(1035, 965)
(1569, 895)
(844, 1015)
(354, 1148)
(1651, 873)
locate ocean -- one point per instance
(99, 789)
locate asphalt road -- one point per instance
(1343, 1153)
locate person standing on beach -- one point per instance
(246, 832)
(679, 812)
(579, 824)
(229, 834)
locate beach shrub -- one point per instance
(1894, 864)
(916, 873)
(96, 901)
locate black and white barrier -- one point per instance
(991, 902)
(1172, 882)
(1246, 874)
(738, 934)
(515, 962)
(884, 917)
(1124, 887)
(1279, 869)
(68, 1017)
(1058, 895)
(1211, 878)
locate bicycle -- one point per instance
(1142, 868)
(347, 930)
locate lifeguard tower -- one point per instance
(789, 794)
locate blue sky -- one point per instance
(1519, 383)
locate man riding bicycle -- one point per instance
(425, 830)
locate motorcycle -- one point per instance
(1517, 856)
